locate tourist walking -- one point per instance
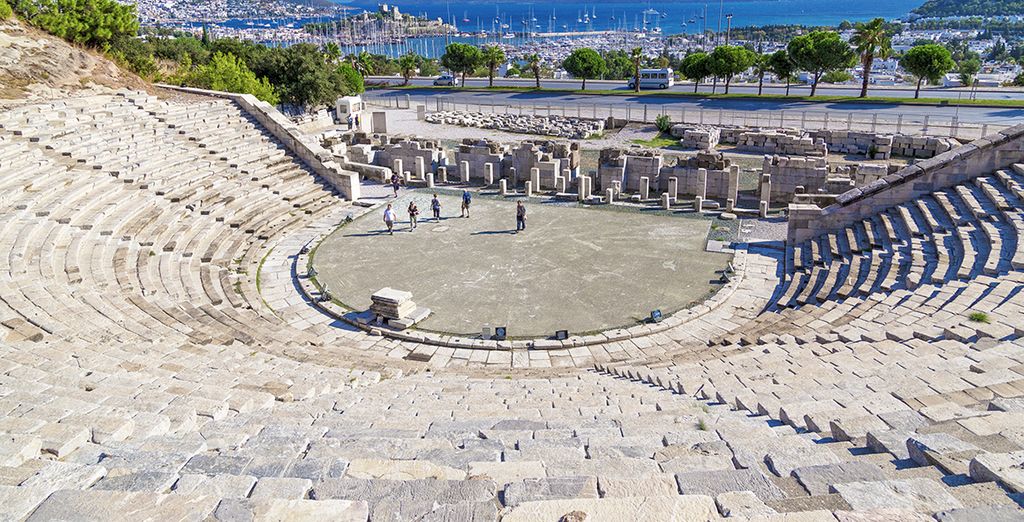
(395, 183)
(435, 206)
(389, 219)
(520, 216)
(413, 212)
(351, 121)
(466, 200)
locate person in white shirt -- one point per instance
(389, 219)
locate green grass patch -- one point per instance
(661, 141)
(979, 317)
(702, 426)
(882, 100)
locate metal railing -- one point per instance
(865, 121)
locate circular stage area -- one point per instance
(577, 269)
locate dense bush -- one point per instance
(5, 10)
(93, 23)
(664, 123)
(225, 72)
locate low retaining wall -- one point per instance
(317, 158)
(961, 164)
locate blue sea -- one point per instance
(473, 15)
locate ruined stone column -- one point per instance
(514, 176)
(609, 196)
(617, 187)
(488, 174)
(421, 168)
(734, 183)
(442, 174)
(673, 188)
(535, 177)
(666, 201)
(503, 186)
(702, 183)
(645, 187)
(430, 180)
(529, 189)
(396, 167)
(766, 193)
(464, 171)
(698, 203)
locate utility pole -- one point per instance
(721, 12)
(728, 30)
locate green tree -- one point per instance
(636, 57)
(585, 63)
(730, 60)
(870, 40)
(968, 71)
(351, 82)
(927, 62)
(697, 67)
(461, 58)
(429, 68)
(407, 64)
(230, 74)
(5, 10)
(533, 63)
(93, 23)
(619, 65)
(492, 56)
(782, 67)
(819, 52)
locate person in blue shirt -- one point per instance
(466, 200)
(435, 206)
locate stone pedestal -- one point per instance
(617, 187)
(609, 196)
(734, 182)
(396, 167)
(666, 201)
(766, 188)
(763, 211)
(560, 184)
(529, 189)
(730, 205)
(442, 174)
(514, 176)
(421, 112)
(645, 188)
(488, 174)
(702, 183)
(673, 187)
(430, 180)
(535, 177)
(503, 186)
(464, 171)
(698, 203)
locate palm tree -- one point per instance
(407, 64)
(493, 57)
(762, 66)
(533, 63)
(362, 62)
(871, 41)
(637, 57)
(332, 52)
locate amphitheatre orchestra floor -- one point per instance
(578, 269)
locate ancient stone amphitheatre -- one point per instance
(167, 354)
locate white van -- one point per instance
(654, 79)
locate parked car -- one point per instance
(447, 80)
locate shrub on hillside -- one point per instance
(94, 23)
(134, 55)
(5, 10)
(227, 73)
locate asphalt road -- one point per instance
(966, 114)
(795, 90)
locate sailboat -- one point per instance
(465, 17)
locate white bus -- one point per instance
(654, 79)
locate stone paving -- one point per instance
(157, 360)
(584, 270)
